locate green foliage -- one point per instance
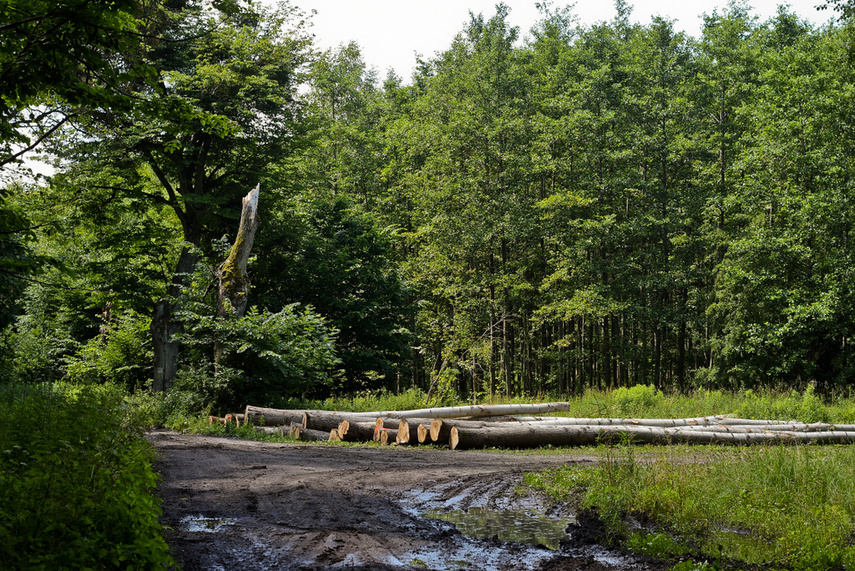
(119, 355)
(806, 407)
(787, 506)
(340, 262)
(601, 207)
(265, 356)
(655, 544)
(76, 485)
(383, 399)
(634, 401)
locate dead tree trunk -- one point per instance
(233, 278)
(233, 287)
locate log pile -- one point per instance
(522, 426)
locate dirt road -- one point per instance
(243, 505)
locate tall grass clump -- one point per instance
(784, 506)
(76, 484)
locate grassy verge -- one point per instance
(778, 506)
(635, 402)
(76, 484)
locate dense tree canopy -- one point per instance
(573, 207)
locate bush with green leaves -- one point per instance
(265, 356)
(634, 401)
(76, 483)
(121, 354)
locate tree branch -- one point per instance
(39, 141)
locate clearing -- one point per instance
(236, 504)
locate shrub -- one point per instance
(76, 485)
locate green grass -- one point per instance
(76, 483)
(635, 402)
(782, 507)
(791, 507)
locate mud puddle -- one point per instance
(500, 521)
(245, 505)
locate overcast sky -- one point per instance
(391, 32)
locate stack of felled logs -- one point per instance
(235, 419)
(503, 426)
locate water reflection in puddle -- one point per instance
(198, 523)
(518, 526)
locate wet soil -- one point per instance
(235, 504)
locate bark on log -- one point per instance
(529, 435)
(271, 416)
(385, 435)
(269, 429)
(477, 411)
(660, 422)
(351, 431)
(407, 431)
(299, 433)
(440, 429)
(327, 420)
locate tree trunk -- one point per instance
(531, 435)
(233, 286)
(163, 323)
(233, 278)
(163, 328)
(423, 433)
(299, 433)
(385, 435)
(326, 420)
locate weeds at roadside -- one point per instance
(76, 485)
(787, 507)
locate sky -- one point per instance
(391, 32)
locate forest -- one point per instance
(534, 212)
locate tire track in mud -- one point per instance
(245, 505)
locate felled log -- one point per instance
(473, 411)
(297, 432)
(385, 435)
(407, 431)
(271, 416)
(327, 420)
(531, 435)
(356, 431)
(216, 420)
(660, 422)
(269, 429)
(423, 433)
(477, 411)
(440, 430)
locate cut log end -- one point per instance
(435, 428)
(403, 436)
(423, 434)
(453, 439)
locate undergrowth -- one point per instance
(76, 483)
(783, 507)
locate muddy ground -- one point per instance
(242, 505)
